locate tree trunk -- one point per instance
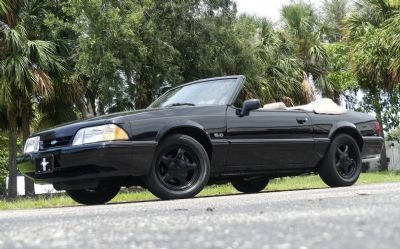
(383, 160)
(140, 104)
(100, 108)
(12, 155)
(29, 184)
(91, 104)
(82, 108)
(336, 97)
(378, 114)
(143, 99)
(307, 93)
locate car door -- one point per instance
(269, 139)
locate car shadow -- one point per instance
(197, 197)
(213, 196)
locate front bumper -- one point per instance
(91, 161)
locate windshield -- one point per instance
(214, 92)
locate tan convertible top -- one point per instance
(322, 106)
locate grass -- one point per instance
(287, 183)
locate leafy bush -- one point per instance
(394, 135)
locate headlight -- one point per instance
(32, 144)
(100, 133)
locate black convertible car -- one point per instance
(201, 133)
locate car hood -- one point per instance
(70, 129)
(63, 133)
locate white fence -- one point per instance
(39, 189)
(393, 153)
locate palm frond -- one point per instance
(5, 91)
(16, 38)
(43, 53)
(33, 8)
(327, 88)
(43, 84)
(16, 69)
(5, 8)
(299, 19)
(318, 54)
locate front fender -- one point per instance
(176, 124)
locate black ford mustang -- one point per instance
(196, 134)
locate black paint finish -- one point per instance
(269, 139)
(270, 143)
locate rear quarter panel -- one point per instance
(326, 126)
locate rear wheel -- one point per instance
(181, 168)
(100, 195)
(249, 186)
(342, 163)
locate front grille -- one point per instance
(56, 142)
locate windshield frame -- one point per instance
(239, 81)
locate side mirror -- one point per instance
(248, 106)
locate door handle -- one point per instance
(301, 120)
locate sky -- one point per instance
(265, 8)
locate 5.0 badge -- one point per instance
(219, 134)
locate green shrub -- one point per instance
(394, 135)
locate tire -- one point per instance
(341, 165)
(251, 185)
(180, 169)
(102, 194)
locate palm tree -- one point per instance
(390, 33)
(59, 109)
(282, 71)
(301, 28)
(334, 14)
(25, 64)
(373, 38)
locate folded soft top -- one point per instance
(322, 106)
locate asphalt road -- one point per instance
(356, 217)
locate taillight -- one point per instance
(378, 129)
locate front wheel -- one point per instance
(100, 195)
(181, 168)
(341, 165)
(250, 186)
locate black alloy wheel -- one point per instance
(178, 168)
(345, 161)
(100, 195)
(250, 185)
(341, 165)
(181, 168)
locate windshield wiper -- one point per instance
(180, 104)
